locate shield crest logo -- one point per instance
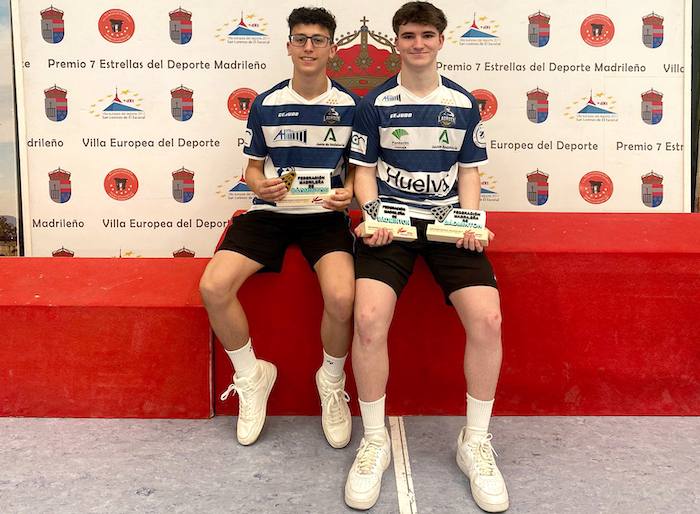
(537, 187)
(183, 185)
(56, 103)
(59, 185)
(652, 189)
(538, 29)
(537, 105)
(52, 26)
(652, 30)
(181, 103)
(180, 26)
(652, 107)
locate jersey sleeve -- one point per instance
(473, 151)
(255, 146)
(364, 141)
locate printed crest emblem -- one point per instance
(652, 189)
(652, 107)
(183, 185)
(181, 103)
(446, 118)
(180, 26)
(121, 184)
(597, 30)
(538, 29)
(653, 30)
(59, 185)
(56, 103)
(537, 105)
(240, 101)
(537, 187)
(52, 25)
(116, 26)
(595, 187)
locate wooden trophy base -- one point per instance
(400, 232)
(451, 234)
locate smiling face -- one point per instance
(418, 46)
(310, 60)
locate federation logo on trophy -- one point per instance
(249, 29)
(62, 252)
(586, 108)
(595, 187)
(52, 25)
(123, 105)
(451, 224)
(121, 184)
(489, 191)
(537, 187)
(183, 185)
(481, 32)
(116, 26)
(183, 253)
(652, 30)
(652, 189)
(393, 217)
(365, 58)
(181, 103)
(304, 187)
(240, 101)
(538, 29)
(537, 105)
(597, 30)
(180, 26)
(56, 103)
(59, 185)
(488, 105)
(652, 107)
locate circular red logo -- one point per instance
(121, 184)
(488, 105)
(597, 30)
(595, 187)
(116, 26)
(240, 101)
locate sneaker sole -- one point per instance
(368, 503)
(252, 439)
(488, 507)
(339, 444)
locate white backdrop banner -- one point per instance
(132, 114)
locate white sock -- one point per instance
(333, 366)
(373, 418)
(478, 416)
(243, 359)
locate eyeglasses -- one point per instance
(317, 40)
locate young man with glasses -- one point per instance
(435, 166)
(302, 124)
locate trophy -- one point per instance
(391, 216)
(450, 225)
(305, 188)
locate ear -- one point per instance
(442, 40)
(333, 51)
(288, 49)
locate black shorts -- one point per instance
(264, 236)
(453, 268)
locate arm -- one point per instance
(469, 191)
(366, 191)
(270, 190)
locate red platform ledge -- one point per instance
(104, 338)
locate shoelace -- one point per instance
(368, 456)
(243, 388)
(331, 400)
(485, 463)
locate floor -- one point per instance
(551, 465)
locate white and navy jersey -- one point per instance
(418, 144)
(288, 131)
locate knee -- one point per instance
(487, 328)
(370, 331)
(214, 291)
(339, 304)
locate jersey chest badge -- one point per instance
(446, 118)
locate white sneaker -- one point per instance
(365, 478)
(475, 457)
(253, 392)
(335, 413)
